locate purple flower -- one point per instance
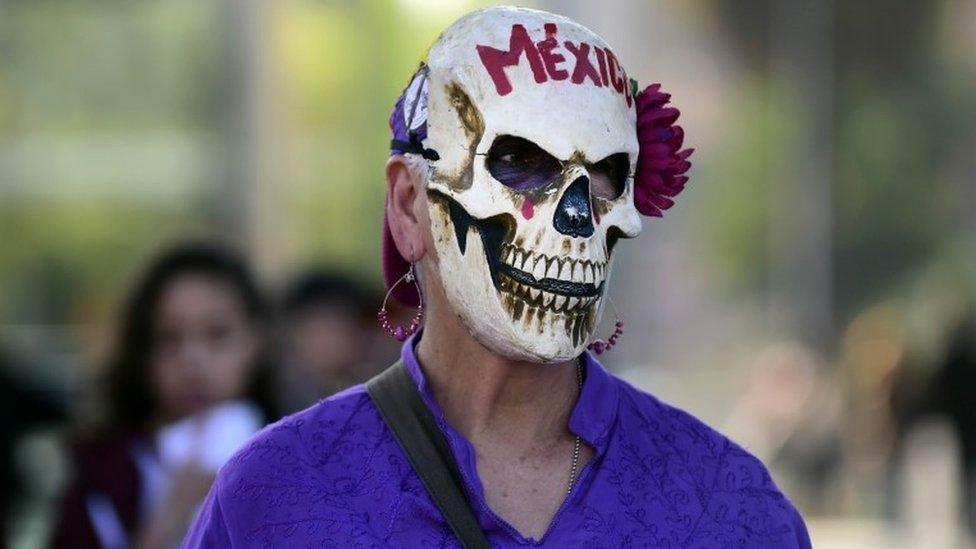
(661, 163)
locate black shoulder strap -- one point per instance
(403, 410)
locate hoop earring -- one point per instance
(599, 345)
(401, 333)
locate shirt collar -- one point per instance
(591, 419)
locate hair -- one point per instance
(316, 287)
(129, 396)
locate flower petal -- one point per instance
(661, 162)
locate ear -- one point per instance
(404, 209)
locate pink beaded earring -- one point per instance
(401, 333)
(600, 346)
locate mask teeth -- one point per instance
(546, 301)
(566, 269)
(539, 267)
(543, 266)
(552, 268)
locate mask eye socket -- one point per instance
(521, 164)
(608, 177)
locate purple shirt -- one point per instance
(333, 476)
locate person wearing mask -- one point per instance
(521, 157)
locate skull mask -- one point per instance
(530, 187)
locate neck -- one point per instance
(482, 393)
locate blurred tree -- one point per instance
(901, 116)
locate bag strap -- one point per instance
(416, 431)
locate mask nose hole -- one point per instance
(573, 213)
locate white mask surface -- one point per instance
(533, 123)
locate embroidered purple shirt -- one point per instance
(333, 476)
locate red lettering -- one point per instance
(601, 58)
(546, 62)
(552, 60)
(627, 89)
(583, 66)
(496, 60)
(615, 79)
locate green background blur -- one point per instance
(827, 240)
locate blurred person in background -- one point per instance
(26, 406)
(325, 338)
(940, 397)
(789, 412)
(956, 399)
(187, 383)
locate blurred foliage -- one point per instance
(738, 213)
(902, 121)
(904, 89)
(120, 122)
